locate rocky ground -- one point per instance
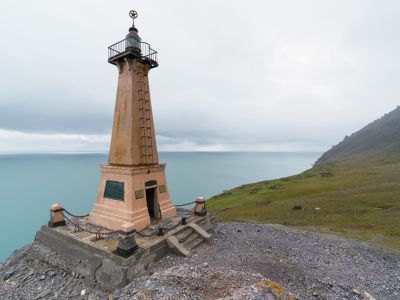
(245, 261)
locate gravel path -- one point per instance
(187, 282)
(239, 264)
(307, 264)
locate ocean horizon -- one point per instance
(31, 182)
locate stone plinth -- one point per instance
(97, 261)
(136, 208)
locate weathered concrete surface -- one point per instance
(206, 236)
(188, 238)
(176, 247)
(104, 269)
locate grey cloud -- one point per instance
(231, 72)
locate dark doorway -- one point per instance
(151, 200)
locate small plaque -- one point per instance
(162, 188)
(139, 194)
(114, 190)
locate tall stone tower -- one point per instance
(133, 189)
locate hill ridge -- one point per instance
(380, 136)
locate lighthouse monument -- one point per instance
(133, 189)
(133, 223)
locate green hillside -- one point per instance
(353, 190)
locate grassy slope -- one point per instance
(361, 200)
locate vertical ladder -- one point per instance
(146, 141)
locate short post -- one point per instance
(200, 208)
(126, 244)
(56, 216)
(160, 231)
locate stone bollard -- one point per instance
(200, 208)
(56, 216)
(127, 244)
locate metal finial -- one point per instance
(133, 14)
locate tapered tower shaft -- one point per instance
(133, 141)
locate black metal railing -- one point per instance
(125, 46)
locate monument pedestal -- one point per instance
(130, 197)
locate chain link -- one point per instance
(75, 216)
(98, 233)
(180, 205)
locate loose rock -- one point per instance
(244, 261)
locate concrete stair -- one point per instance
(186, 240)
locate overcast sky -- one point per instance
(233, 75)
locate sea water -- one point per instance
(30, 184)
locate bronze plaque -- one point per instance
(114, 190)
(162, 188)
(139, 194)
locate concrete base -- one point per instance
(99, 265)
(132, 210)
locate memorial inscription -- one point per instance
(114, 190)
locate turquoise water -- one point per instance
(29, 184)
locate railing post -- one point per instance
(56, 216)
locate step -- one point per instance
(204, 234)
(194, 243)
(177, 247)
(183, 235)
(191, 238)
